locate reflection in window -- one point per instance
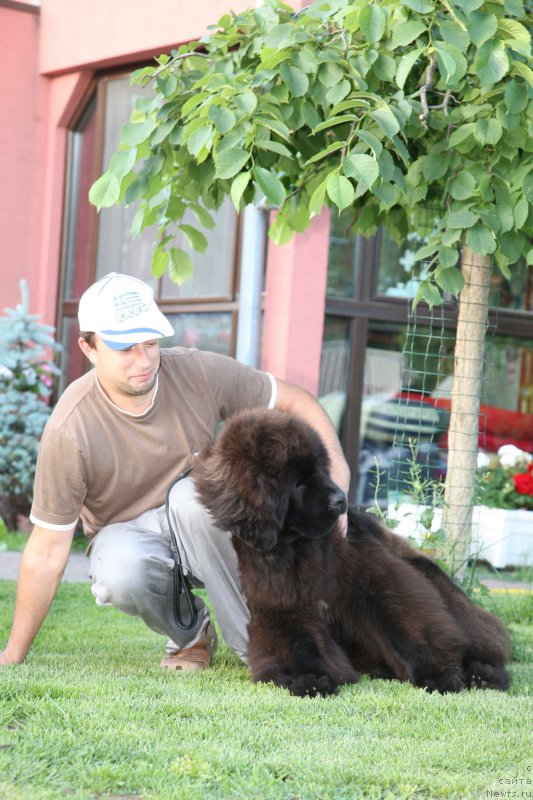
(407, 397)
(343, 257)
(213, 269)
(98, 244)
(78, 233)
(334, 363)
(210, 331)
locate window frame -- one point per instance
(367, 305)
(67, 307)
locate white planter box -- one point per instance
(503, 537)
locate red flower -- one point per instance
(523, 482)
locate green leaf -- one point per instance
(516, 98)
(224, 118)
(275, 147)
(421, 6)
(514, 31)
(362, 167)
(202, 215)
(296, 81)
(332, 121)
(524, 71)
(265, 18)
(270, 185)
(448, 66)
(482, 27)
(452, 33)
(406, 64)
(193, 102)
(318, 197)
(199, 139)
(372, 141)
(386, 121)
(428, 291)
(332, 148)
(463, 186)
(384, 68)
(450, 280)
(521, 212)
(338, 92)
(488, 131)
(481, 240)
(275, 126)
(460, 134)
(329, 74)
(306, 59)
(237, 188)
(513, 245)
(229, 162)
(461, 219)
(180, 265)
(372, 20)
(159, 262)
(469, 5)
(452, 63)
(406, 32)
(280, 231)
(435, 166)
(122, 162)
(105, 191)
(246, 102)
(134, 133)
(340, 191)
(281, 36)
(492, 62)
(195, 237)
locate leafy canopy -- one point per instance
(394, 109)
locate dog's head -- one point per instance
(265, 477)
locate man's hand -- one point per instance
(5, 659)
(42, 565)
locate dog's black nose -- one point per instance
(337, 501)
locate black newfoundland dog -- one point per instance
(325, 607)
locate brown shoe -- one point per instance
(196, 657)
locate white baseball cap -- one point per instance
(122, 312)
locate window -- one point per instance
(373, 348)
(203, 310)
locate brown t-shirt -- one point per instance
(110, 466)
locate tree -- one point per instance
(26, 381)
(402, 111)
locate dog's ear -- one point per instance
(241, 500)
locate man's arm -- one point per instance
(298, 401)
(41, 568)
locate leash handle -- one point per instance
(181, 582)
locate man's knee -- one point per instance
(126, 579)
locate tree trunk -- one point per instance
(464, 420)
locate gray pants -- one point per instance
(131, 568)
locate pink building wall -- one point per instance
(50, 59)
(20, 146)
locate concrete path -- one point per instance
(75, 572)
(78, 565)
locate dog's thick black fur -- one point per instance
(325, 607)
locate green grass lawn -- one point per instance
(92, 715)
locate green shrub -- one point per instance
(26, 383)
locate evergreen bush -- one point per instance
(26, 382)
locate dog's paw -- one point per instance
(443, 684)
(486, 676)
(312, 686)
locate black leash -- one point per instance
(181, 582)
